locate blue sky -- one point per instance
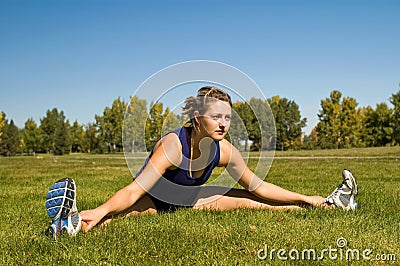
(79, 56)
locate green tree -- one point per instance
(253, 125)
(246, 114)
(377, 128)
(252, 121)
(288, 123)
(339, 124)
(135, 125)
(158, 123)
(154, 124)
(55, 132)
(328, 128)
(77, 136)
(93, 142)
(310, 141)
(2, 123)
(10, 143)
(351, 123)
(170, 121)
(111, 123)
(31, 137)
(62, 143)
(395, 100)
(262, 128)
(238, 133)
(48, 127)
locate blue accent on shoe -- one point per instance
(344, 199)
(59, 199)
(55, 193)
(53, 212)
(58, 185)
(61, 208)
(53, 203)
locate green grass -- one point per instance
(355, 152)
(202, 237)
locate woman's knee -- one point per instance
(144, 205)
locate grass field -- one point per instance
(207, 237)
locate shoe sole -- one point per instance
(350, 176)
(60, 198)
(54, 230)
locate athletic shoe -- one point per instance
(343, 196)
(61, 208)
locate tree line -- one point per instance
(342, 124)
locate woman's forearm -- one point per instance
(275, 193)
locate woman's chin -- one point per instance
(218, 136)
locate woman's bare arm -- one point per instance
(238, 169)
(165, 156)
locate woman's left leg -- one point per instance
(213, 198)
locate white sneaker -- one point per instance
(61, 208)
(344, 195)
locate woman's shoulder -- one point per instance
(227, 152)
(170, 147)
(169, 141)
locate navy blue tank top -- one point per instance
(181, 174)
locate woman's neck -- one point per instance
(200, 149)
(195, 139)
(199, 143)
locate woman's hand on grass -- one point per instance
(90, 219)
(315, 200)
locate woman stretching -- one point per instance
(179, 163)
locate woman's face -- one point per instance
(216, 120)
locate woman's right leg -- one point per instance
(144, 205)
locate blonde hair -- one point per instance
(205, 96)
